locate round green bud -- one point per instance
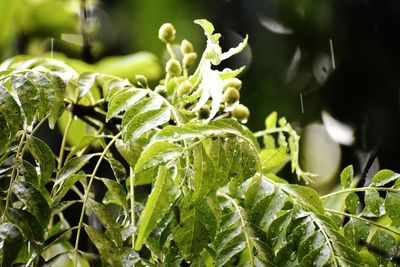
(189, 59)
(173, 67)
(141, 81)
(186, 47)
(204, 112)
(233, 82)
(231, 95)
(184, 88)
(241, 112)
(166, 33)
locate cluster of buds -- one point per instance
(231, 97)
(173, 67)
(229, 105)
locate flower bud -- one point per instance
(231, 95)
(204, 112)
(241, 112)
(233, 82)
(189, 59)
(173, 67)
(186, 47)
(166, 33)
(141, 81)
(184, 88)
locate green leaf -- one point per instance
(270, 121)
(392, 204)
(27, 94)
(116, 190)
(10, 111)
(143, 105)
(12, 241)
(157, 153)
(176, 133)
(221, 162)
(72, 166)
(373, 204)
(33, 200)
(130, 151)
(4, 133)
(262, 203)
(317, 257)
(117, 168)
(123, 100)
(42, 154)
(356, 232)
(203, 173)
(305, 195)
(244, 162)
(273, 160)
(102, 214)
(59, 93)
(67, 185)
(197, 227)
(352, 202)
(385, 243)
(346, 177)
(28, 171)
(107, 249)
(86, 82)
(384, 177)
(145, 122)
(46, 92)
(28, 224)
(157, 206)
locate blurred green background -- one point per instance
(289, 58)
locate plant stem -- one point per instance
(364, 220)
(361, 189)
(271, 131)
(14, 175)
(87, 192)
(132, 198)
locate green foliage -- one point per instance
(214, 196)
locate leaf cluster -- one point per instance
(211, 194)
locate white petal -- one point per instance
(338, 131)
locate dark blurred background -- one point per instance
(289, 57)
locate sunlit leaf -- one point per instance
(33, 200)
(107, 249)
(44, 156)
(384, 177)
(10, 111)
(122, 101)
(160, 199)
(157, 153)
(346, 176)
(197, 228)
(28, 224)
(28, 95)
(145, 122)
(72, 166)
(352, 202)
(86, 82)
(392, 204)
(385, 244)
(11, 242)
